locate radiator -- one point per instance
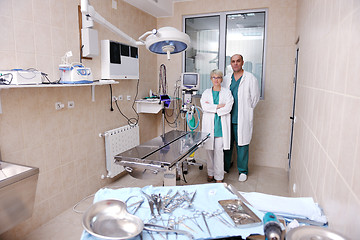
(117, 141)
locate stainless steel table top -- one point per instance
(164, 150)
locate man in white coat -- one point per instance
(245, 90)
(216, 103)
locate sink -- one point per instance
(17, 193)
(9, 170)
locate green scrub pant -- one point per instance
(242, 153)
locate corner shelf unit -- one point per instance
(93, 85)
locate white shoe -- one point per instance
(242, 177)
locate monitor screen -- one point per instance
(190, 80)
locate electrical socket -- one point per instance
(71, 104)
(114, 4)
(114, 98)
(128, 97)
(59, 105)
(120, 97)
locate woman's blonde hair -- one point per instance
(216, 72)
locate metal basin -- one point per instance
(17, 193)
(10, 170)
(109, 219)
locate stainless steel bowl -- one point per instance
(109, 219)
(313, 232)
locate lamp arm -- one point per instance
(154, 31)
(89, 11)
(84, 6)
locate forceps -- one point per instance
(151, 204)
(206, 224)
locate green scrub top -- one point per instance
(217, 120)
(234, 88)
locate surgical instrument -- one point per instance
(151, 204)
(206, 224)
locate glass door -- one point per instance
(245, 34)
(203, 55)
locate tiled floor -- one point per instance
(261, 179)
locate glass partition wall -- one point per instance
(216, 37)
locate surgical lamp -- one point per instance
(165, 40)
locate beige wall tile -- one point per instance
(57, 204)
(54, 184)
(41, 214)
(25, 60)
(24, 35)
(52, 156)
(353, 80)
(352, 213)
(6, 8)
(41, 188)
(341, 194)
(43, 44)
(356, 177)
(57, 13)
(46, 66)
(8, 59)
(7, 36)
(349, 138)
(41, 9)
(335, 128)
(68, 177)
(328, 110)
(58, 38)
(22, 9)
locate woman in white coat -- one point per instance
(216, 103)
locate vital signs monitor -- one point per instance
(190, 81)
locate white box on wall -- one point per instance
(89, 38)
(119, 61)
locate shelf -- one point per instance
(149, 106)
(107, 82)
(57, 85)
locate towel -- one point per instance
(301, 207)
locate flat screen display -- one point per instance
(190, 79)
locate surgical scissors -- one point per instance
(138, 203)
(196, 215)
(217, 214)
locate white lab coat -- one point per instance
(248, 97)
(209, 110)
